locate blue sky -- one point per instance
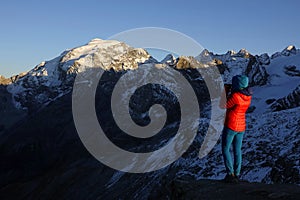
(33, 31)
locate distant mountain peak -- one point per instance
(288, 51)
(98, 41)
(243, 52)
(205, 52)
(95, 40)
(290, 48)
(169, 59)
(231, 52)
(205, 56)
(57, 75)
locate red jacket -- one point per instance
(237, 105)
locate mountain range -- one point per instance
(43, 156)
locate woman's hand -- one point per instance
(227, 89)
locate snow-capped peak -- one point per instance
(288, 51)
(60, 71)
(291, 47)
(95, 40)
(98, 41)
(243, 52)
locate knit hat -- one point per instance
(239, 82)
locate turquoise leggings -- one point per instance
(230, 137)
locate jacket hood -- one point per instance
(246, 91)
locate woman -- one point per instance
(238, 101)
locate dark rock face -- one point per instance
(45, 146)
(290, 101)
(8, 112)
(292, 70)
(257, 73)
(263, 59)
(284, 172)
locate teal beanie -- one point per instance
(239, 82)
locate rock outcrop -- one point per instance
(290, 101)
(188, 188)
(256, 71)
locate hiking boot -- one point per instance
(237, 178)
(230, 179)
